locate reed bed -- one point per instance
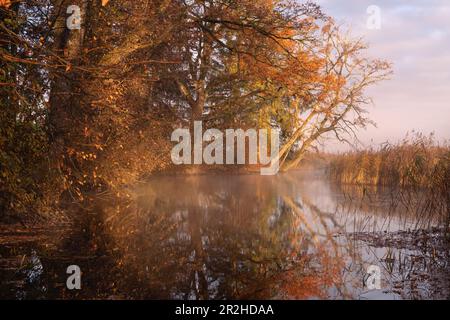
(417, 168)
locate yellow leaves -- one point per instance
(86, 155)
(86, 132)
(71, 151)
(81, 155)
(234, 68)
(104, 2)
(326, 28)
(5, 3)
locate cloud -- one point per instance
(415, 37)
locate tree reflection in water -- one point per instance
(230, 237)
(219, 237)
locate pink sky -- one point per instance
(415, 37)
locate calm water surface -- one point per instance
(233, 237)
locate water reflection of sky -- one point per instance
(231, 237)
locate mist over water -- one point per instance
(239, 236)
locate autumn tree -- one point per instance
(224, 49)
(268, 64)
(336, 101)
(103, 126)
(101, 100)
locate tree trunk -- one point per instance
(63, 102)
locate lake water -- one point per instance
(289, 236)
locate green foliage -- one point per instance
(23, 134)
(23, 149)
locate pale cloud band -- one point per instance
(415, 36)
